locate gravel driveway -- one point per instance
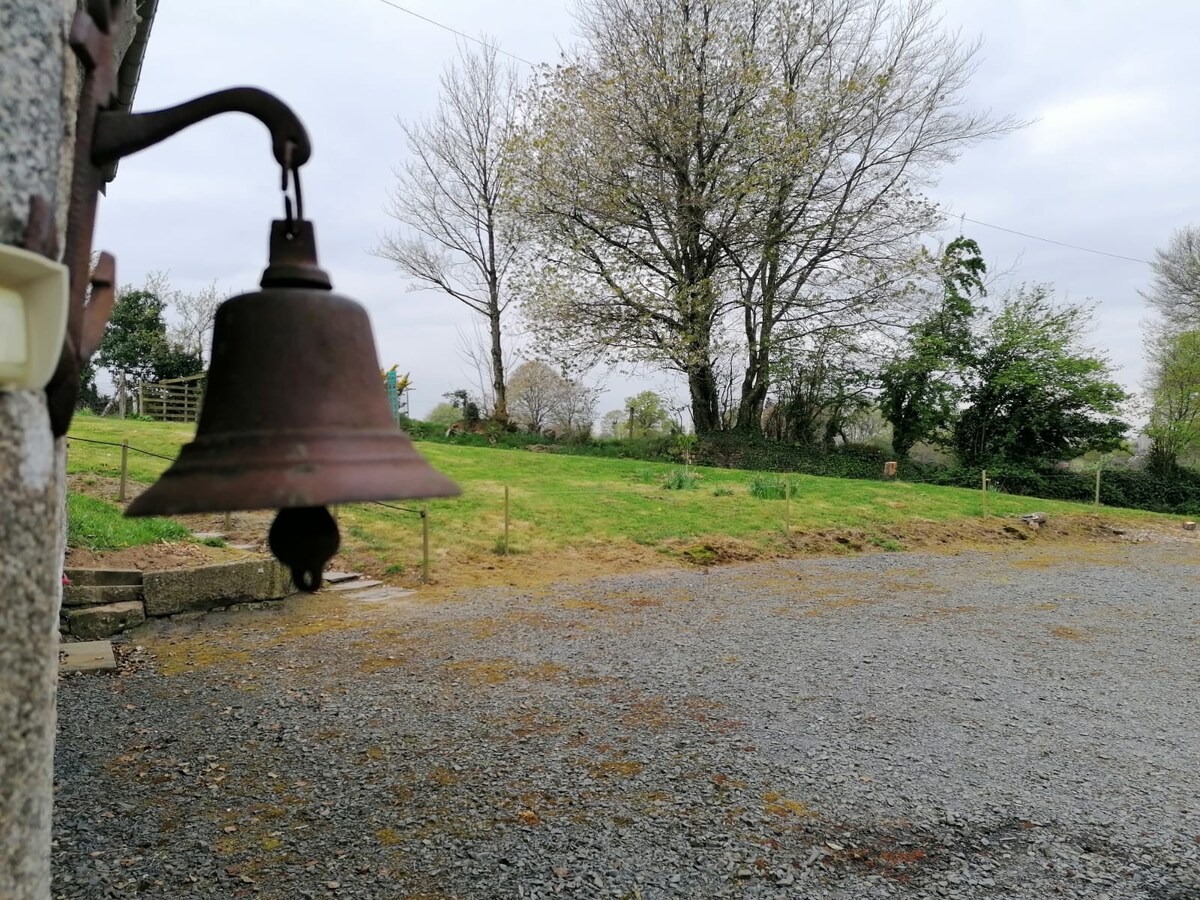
(980, 725)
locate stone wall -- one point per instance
(100, 602)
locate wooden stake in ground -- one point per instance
(787, 506)
(124, 469)
(424, 545)
(983, 493)
(506, 520)
(1098, 467)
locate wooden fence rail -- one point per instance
(173, 400)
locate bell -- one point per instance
(294, 415)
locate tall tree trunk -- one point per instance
(122, 394)
(754, 393)
(706, 406)
(757, 379)
(500, 413)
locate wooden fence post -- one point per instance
(227, 524)
(1097, 485)
(124, 469)
(424, 545)
(983, 493)
(506, 520)
(787, 505)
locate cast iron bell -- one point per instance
(294, 416)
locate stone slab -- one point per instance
(100, 594)
(173, 591)
(84, 577)
(356, 585)
(379, 595)
(86, 656)
(338, 577)
(208, 535)
(94, 622)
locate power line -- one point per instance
(1046, 240)
(456, 31)
(1032, 237)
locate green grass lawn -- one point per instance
(96, 524)
(576, 503)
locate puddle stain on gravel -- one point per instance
(1068, 633)
(615, 768)
(489, 672)
(780, 806)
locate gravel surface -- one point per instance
(981, 725)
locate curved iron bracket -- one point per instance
(117, 135)
(103, 136)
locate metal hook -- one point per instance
(293, 212)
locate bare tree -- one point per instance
(575, 411)
(535, 391)
(475, 350)
(195, 314)
(1175, 288)
(458, 234)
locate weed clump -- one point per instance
(771, 487)
(681, 480)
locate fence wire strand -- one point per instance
(415, 512)
(71, 437)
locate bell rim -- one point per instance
(317, 467)
(170, 496)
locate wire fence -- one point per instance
(125, 447)
(424, 514)
(655, 492)
(122, 493)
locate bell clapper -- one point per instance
(304, 539)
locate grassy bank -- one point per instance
(96, 524)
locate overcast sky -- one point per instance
(1110, 161)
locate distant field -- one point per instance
(573, 508)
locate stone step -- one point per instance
(100, 594)
(383, 594)
(104, 576)
(95, 622)
(355, 585)
(86, 656)
(339, 577)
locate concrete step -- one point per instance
(95, 622)
(104, 576)
(356, 585)
(86, 656)
(100, 594)
(339, 577)
(383, 594)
